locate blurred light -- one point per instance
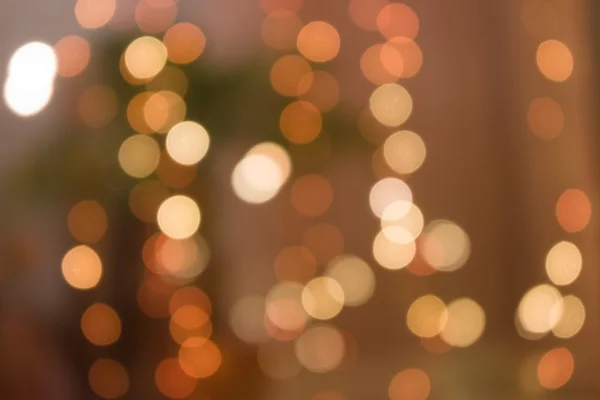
(572, 317)
(246, 319)
(278, 360)
(181, 260)
(291, 75)
(171, 78)
(199, 358)
(190, 295)
(295, 264)
(319, 41)
(94, 14)
(401, 57)
(145, 198)
(563, 263)
(280, 29)
(277, 153)
(101, 325)
(546, 118)
(257, 178)
(324, 241)
(190, 321)
(540, 309)
(465, 324)
(136, 113)
(171, 381)
(30, 82)
(97, 106)
(573, 210)
(427, 316)
(154, 18)
(435, 345)
(394, 248)
(372, 68)
(108, 379)
(145, 57)
(320, 349)
(284, 306)
(270, 6)
(185, 42)
(396, 215)
(82, 268)
(404, 152)
(164, 109)
(398, 19)
(300, 122)
(446, 246)
(390, 191)
(364, 13)
(540, 18)
(554, 60)
(73, 55)
(391, 104)
(153, 296)
(179, 217)
(87, 221)
(187, 143)
(556, 368)
(354, 276)
(311, 195)
(173, 174)
(139, 155)
(324, 93)
(323, 298)
(410, 384)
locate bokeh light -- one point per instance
(94, 14)
(97, 106)
(395, 215)
(179, 217)
(545, 118)
(323, 298)
(199, 358)
(324, 92)
(152, 18)
(410, 384)
(311, 195)
(572, 318)
(280, 29)
(190, 321)
(87, 221)
(185, 42)
(187, 143)
(108, 379)
(364, 13)
(540, 309)
(394, 248)
(404, 152)
(295, 264)
(319, 41)
(556, 368)
(291, 75)
(354, 276)
(324, 241)
(82, 267)
(101, 324)
(145, 57)
(554, 60)
(445, 245)
(320, 349)
(398, 19)
(563, 263)
(465, 324)
(427, 316)
(73, 55)
(300, 122)
(139, 156)
(573, 210)
(402, 57)
(390, 191)
(246, 319)
(164, 109)
(391, 104)
(172, 381)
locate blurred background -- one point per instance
(298, 199)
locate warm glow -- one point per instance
(390, 191)
(136, 113)
(391, 104)
(108, 379)
(190, 321)
(354, 276)
(172, 381)
(187, 143)
(573, 210)
(465, 324)
(284, 306)
(291, 75)
(280, 29)
(324, 93)
(364, 13)
(172, 79)
(164, 109)
(410, 384)
(396, 215)
(540, 309)
(554, 60)
(179, 217)
(185, 42)
(87, 221)
(73, 55)
(323, 298)
(319, 41)
(312, 195)
(324, 241)
(139, 156)
(295, 264)
(397, 19)
(572, 318)
(427, 316)
(145, 57)
(199, 358)
(82, 268)
(394, 248)
(545, 118)
(404, 152)
(300, 122)
(190, 295)
(556, 368)
(155, 18)
(94, 14)
(246, 319)
(563, 263)
(101, 325)
(97, 106)
(372, 67)
(320, 349)
(446, 246)
(402, 49)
